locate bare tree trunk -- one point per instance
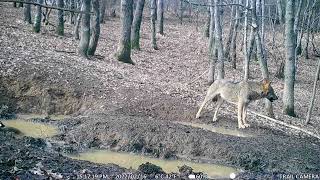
(207, 25)
(231, 31)
(197, 18)
(37, 19)
(27, 13)
(72, 6)
(296, 31)
(245, 43)
(85, 30)
(313, 93)
(280, 13)
(60, 26)
(251, 45)
(78, 22)
(160, 16)
(218, 40)
(258, 14)
(212, 49)
(234, 39)
(20, 4)
(153, 24)
(299, 38)
(297, 17)
(113, 8)
(263, 20)
(136, 24)
(95, 29)
(261, 56)
(310, 15)
(288, 93)
(181, 11)
(124, 50)
(103, 10)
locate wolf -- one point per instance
(239, 93)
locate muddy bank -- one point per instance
(171, 141)
(35, 94)
(29, 158)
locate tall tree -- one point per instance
(301, 32)
(260, 53)
(95, 29)
(245, 43)
(231, 30)
(103, 10)
(113, 8)
(60, 26)
(153, 11)
(85, 29)
(310, 15)
(136, 24)
(160, 16)
(181, 11)
(27, 12)
(37, 18)
(78, 22)
(262, 19)
(233, 50)
(280, 12)
(72, 6)
(317, 74)
(212, 50)
(288, 93)
(207, 25)
(124, 48)
(218, 40)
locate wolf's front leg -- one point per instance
(240, 111)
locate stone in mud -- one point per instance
(185, 170)
(149, 168)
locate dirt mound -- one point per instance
(32, 95)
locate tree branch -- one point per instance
(46, 6)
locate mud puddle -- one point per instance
(219, 130)
(41, 116)
(32, 129)
(133, 161)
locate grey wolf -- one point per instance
(239, 93)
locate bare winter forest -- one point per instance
(110, 89)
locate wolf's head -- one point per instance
(267, 91)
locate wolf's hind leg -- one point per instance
(219, 103)
(206, 99)
(210, 95)
(240, 111)
(244, 116)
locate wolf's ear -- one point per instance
(265, 85)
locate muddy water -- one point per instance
(133, 161)
(32, 129)
(220, 130)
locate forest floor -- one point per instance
(129, 108)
